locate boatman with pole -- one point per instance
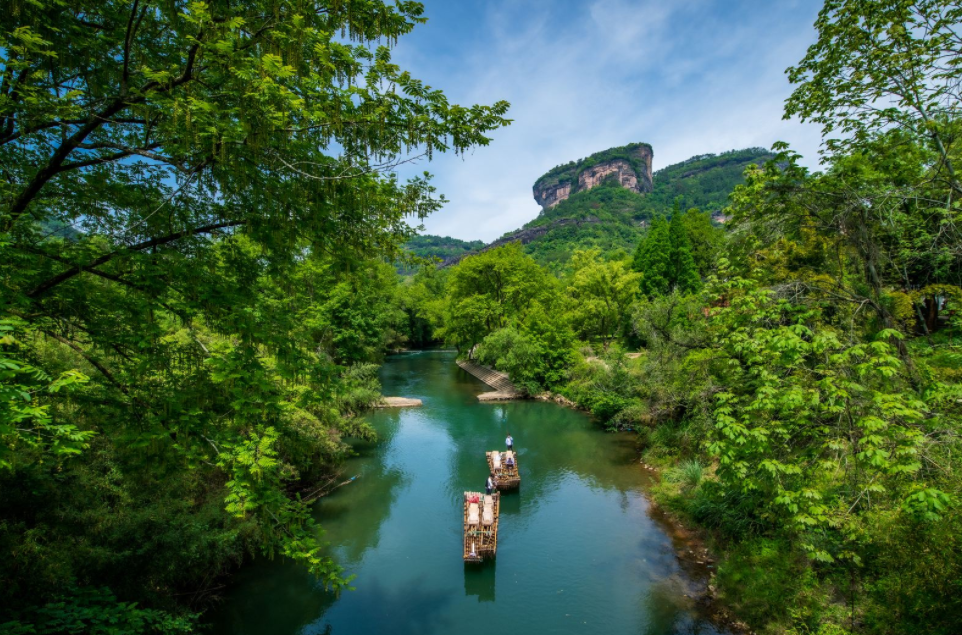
(509, 442)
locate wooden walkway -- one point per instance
(502, 385)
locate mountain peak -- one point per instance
(627, 166)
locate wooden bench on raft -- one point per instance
(481, 525)
(507, 476)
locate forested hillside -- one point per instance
(436, 248)
(611, 218)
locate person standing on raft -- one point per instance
(509, 442)
(490, 484)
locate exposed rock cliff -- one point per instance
(551, 195)
(629, 166)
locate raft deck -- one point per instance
(481, 526)
(507, 476)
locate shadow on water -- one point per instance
(511, 503)
(479, 580)
(375, 490)
(411, 610)
(273, 583)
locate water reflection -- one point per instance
(412, 610)
(479, 580)
(670, 608)
(273, 584)
(511, 503)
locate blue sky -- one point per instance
(687, 76)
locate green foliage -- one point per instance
(536, 355)
(602, 294)
(706, 240)
(601, 218)
(421, 300)
(27, 428)
(703, 181)
(196, 211)
(879, 64)
(515, 353)
(766, 582)
(605, 386)
(684, 274)
(91, 611)
(653, 259)
(665, 257)
(813, 427)
(434, 248)
(486, 290)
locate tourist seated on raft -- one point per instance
(509, 462)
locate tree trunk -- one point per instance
(932, 313)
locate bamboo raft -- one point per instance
(507, 476)
(481, 525)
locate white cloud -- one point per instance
(609, 73)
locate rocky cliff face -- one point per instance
(551, 195)
(593, 176)
(629, 166)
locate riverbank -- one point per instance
(698, 551)
(398, 528)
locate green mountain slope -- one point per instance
(612, 218)
(443, 248)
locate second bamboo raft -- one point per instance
(507, 476)
(481, 513)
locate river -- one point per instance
(577, 550)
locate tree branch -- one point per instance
(93, 122)
(153, 242)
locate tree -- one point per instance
(486, 291)
(653, 259)
(880, 64)
(601, 293)
(887, 70)
(537, 355)
(225, 173)
(684, 274)
(706, 239)
(811, 426)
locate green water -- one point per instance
(577, 551)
